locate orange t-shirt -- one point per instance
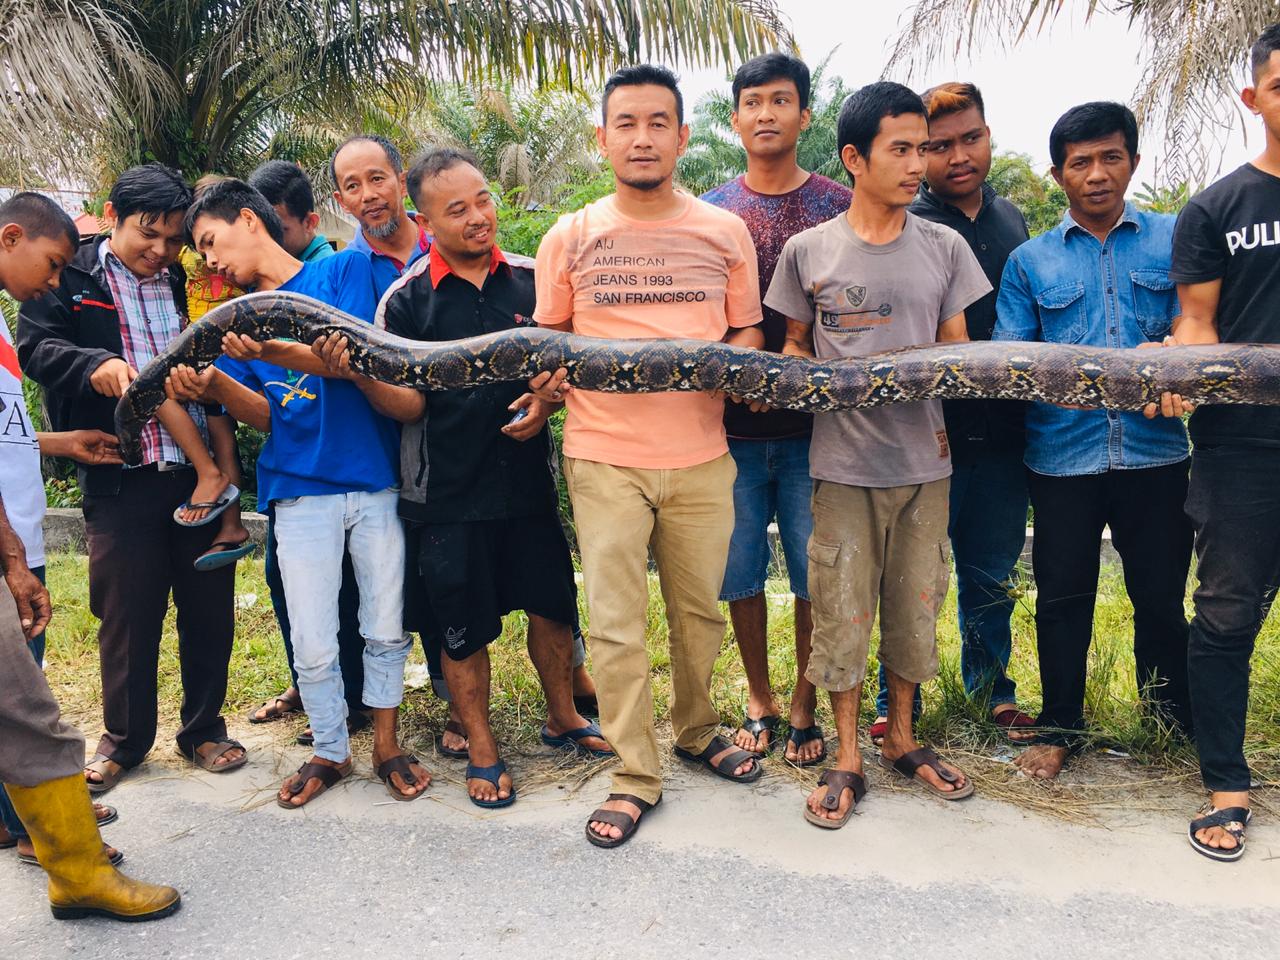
(691, 277)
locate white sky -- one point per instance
(1026, 88)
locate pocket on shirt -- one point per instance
(1062, 313)
(1155, 300)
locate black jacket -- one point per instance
(974, 426)
(66, 335)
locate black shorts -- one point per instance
(465, 577)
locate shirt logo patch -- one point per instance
(944, 446)
(856, 296)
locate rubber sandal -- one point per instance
(357, 720)
(223, 553)
(274, 709)
(876, 732)
(107, 814)
(616, 818)
(569, 740)
(215, 507)
(455, 728)
(587, 705)
(1234, 820)
(327, 775)
(115, 859)
(209, 761)
(837, 782)
(728, 764)
(98, 765)
(800, 737)
(909, 763)
(1011, 719)
(766, 724)
(492, 774)
(400, 765)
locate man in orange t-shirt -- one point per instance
(650, 470)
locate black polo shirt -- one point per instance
(975, 426)
(456, 464)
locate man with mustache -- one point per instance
(1101, 278)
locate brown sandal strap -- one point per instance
(615, 818)
(314, 771)
(836, 782)
(400, 765)
(909, 763)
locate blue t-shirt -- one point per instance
(325, 437)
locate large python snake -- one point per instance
(1052, 373)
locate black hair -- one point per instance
(1092, 121)
(390, 149)
(862, 111)
(284, 183)
(39, 216)
(432, 162)
(758, 71)
(225, 199)
(1268, 42)
(639, 75)
(152, 190)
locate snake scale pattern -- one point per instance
(1052, 373)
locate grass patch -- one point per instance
(1162, 771)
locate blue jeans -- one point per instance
(773, 480)
(988, 529)
(9, 816)
(311, 536)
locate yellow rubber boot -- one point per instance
(82, 882)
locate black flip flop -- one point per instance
(456, 728)
(616, 818)
(1234, 820)
(728, 764)
(799, 737)
(766, 724)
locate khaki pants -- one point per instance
(877, 546)
(686, 515)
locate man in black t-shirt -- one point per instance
(1226, 262)
(477, 487)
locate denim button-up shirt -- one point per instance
(1067, 287)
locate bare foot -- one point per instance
(893, 751)
(209, 488)
(1043, 761)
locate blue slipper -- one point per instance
(570, 739)
(215, 507)
(222, 553)
(491, 774)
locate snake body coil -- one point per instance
(1051, 373)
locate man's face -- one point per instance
(298, 231)
(231, 250)
(369, 189)
(146, 243)
(460, 212)
(31, 266)
(1095, 174)
(1263, 98)
(959, 154)
(769, 118)
(641, 138)
(891, 174)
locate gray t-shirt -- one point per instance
(867, 298)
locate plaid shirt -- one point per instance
(149, 320)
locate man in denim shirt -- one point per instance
(1101, 278)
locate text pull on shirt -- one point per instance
(1231, 232)
(325, 437)
(1066, 286)
(691, 277)
(864, 298)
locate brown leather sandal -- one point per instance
(209, 761)
(837, 782)
(909, 763)
(276, 708)
(616, 818)
(401, 765)
(109, 779)
(327, 775)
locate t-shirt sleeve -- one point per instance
(742, 297)
(969, 283)
(353, 286)
(240, 372)
(551, 280)
(1199, 250)
(788, 293)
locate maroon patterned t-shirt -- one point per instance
(772, 220)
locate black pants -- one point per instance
(1150, 531)
(137, 554)
(1234, 505)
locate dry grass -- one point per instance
(1157, 774)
